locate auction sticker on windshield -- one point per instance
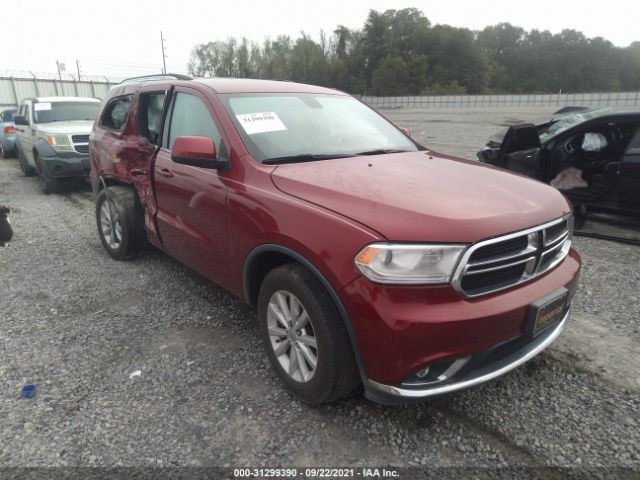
(38, 107)
(261, 122)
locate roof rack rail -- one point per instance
(159, 76)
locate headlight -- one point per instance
(397, 263)
(60, 143)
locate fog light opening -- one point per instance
(436, 373)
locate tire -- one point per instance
(336, 373)
(579, 216)
(48, 184)
(7, 153)
(26, 169)
(120, 222)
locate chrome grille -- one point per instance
(80, 143)
(502, 262)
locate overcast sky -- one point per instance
(122, 37)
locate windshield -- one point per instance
(568, 121)
(47, 112)
(313, 126)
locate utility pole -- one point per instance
(164, 56)
(78, 67)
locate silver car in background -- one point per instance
(7, 133)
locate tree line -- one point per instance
(399, 52)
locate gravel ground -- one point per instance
(79, 325)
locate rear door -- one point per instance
(150, 109)
(192, 201)
(629, 179)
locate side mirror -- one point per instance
(197, 152)
(20, 120)
(406, 131)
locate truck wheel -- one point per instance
(121, 222)
(26, 169)
(48, 184)
(305, 338)
(579, 216)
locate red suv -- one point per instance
(370, 258)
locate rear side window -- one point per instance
(116, 113)
(151, 108)
(7, 115)
(191, 117)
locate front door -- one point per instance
(629, 178)
(192, 201)
(26, 133)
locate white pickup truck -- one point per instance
(53, 138)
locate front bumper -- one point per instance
(400, 330)
(389, 394)
(66, 165)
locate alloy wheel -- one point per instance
(292, 336)
(110, 225)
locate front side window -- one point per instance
(116, 113)
(191, 117)
(47, 112)
(24, 111)
(278, 125)
(151, 108)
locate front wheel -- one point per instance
(306, 340)
(579, 216)
(120, 222)
(48, 184)
(27, 170)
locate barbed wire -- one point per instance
(122, 73)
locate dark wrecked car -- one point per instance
(591, 155)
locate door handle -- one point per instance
(138, 171)
(165, 172)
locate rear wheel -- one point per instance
(305, 338)
(120, 222)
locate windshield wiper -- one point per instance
(304, 157)
(382, 151)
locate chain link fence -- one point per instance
(14, 89)
(610, 99)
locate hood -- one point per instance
(423, 196)
(70, 127)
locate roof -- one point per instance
(223, 85)
(64, 99)
(246, 85)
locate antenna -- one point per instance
(164, 56)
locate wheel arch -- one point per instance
(107, 181)
(264, 258)
(42, 149)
